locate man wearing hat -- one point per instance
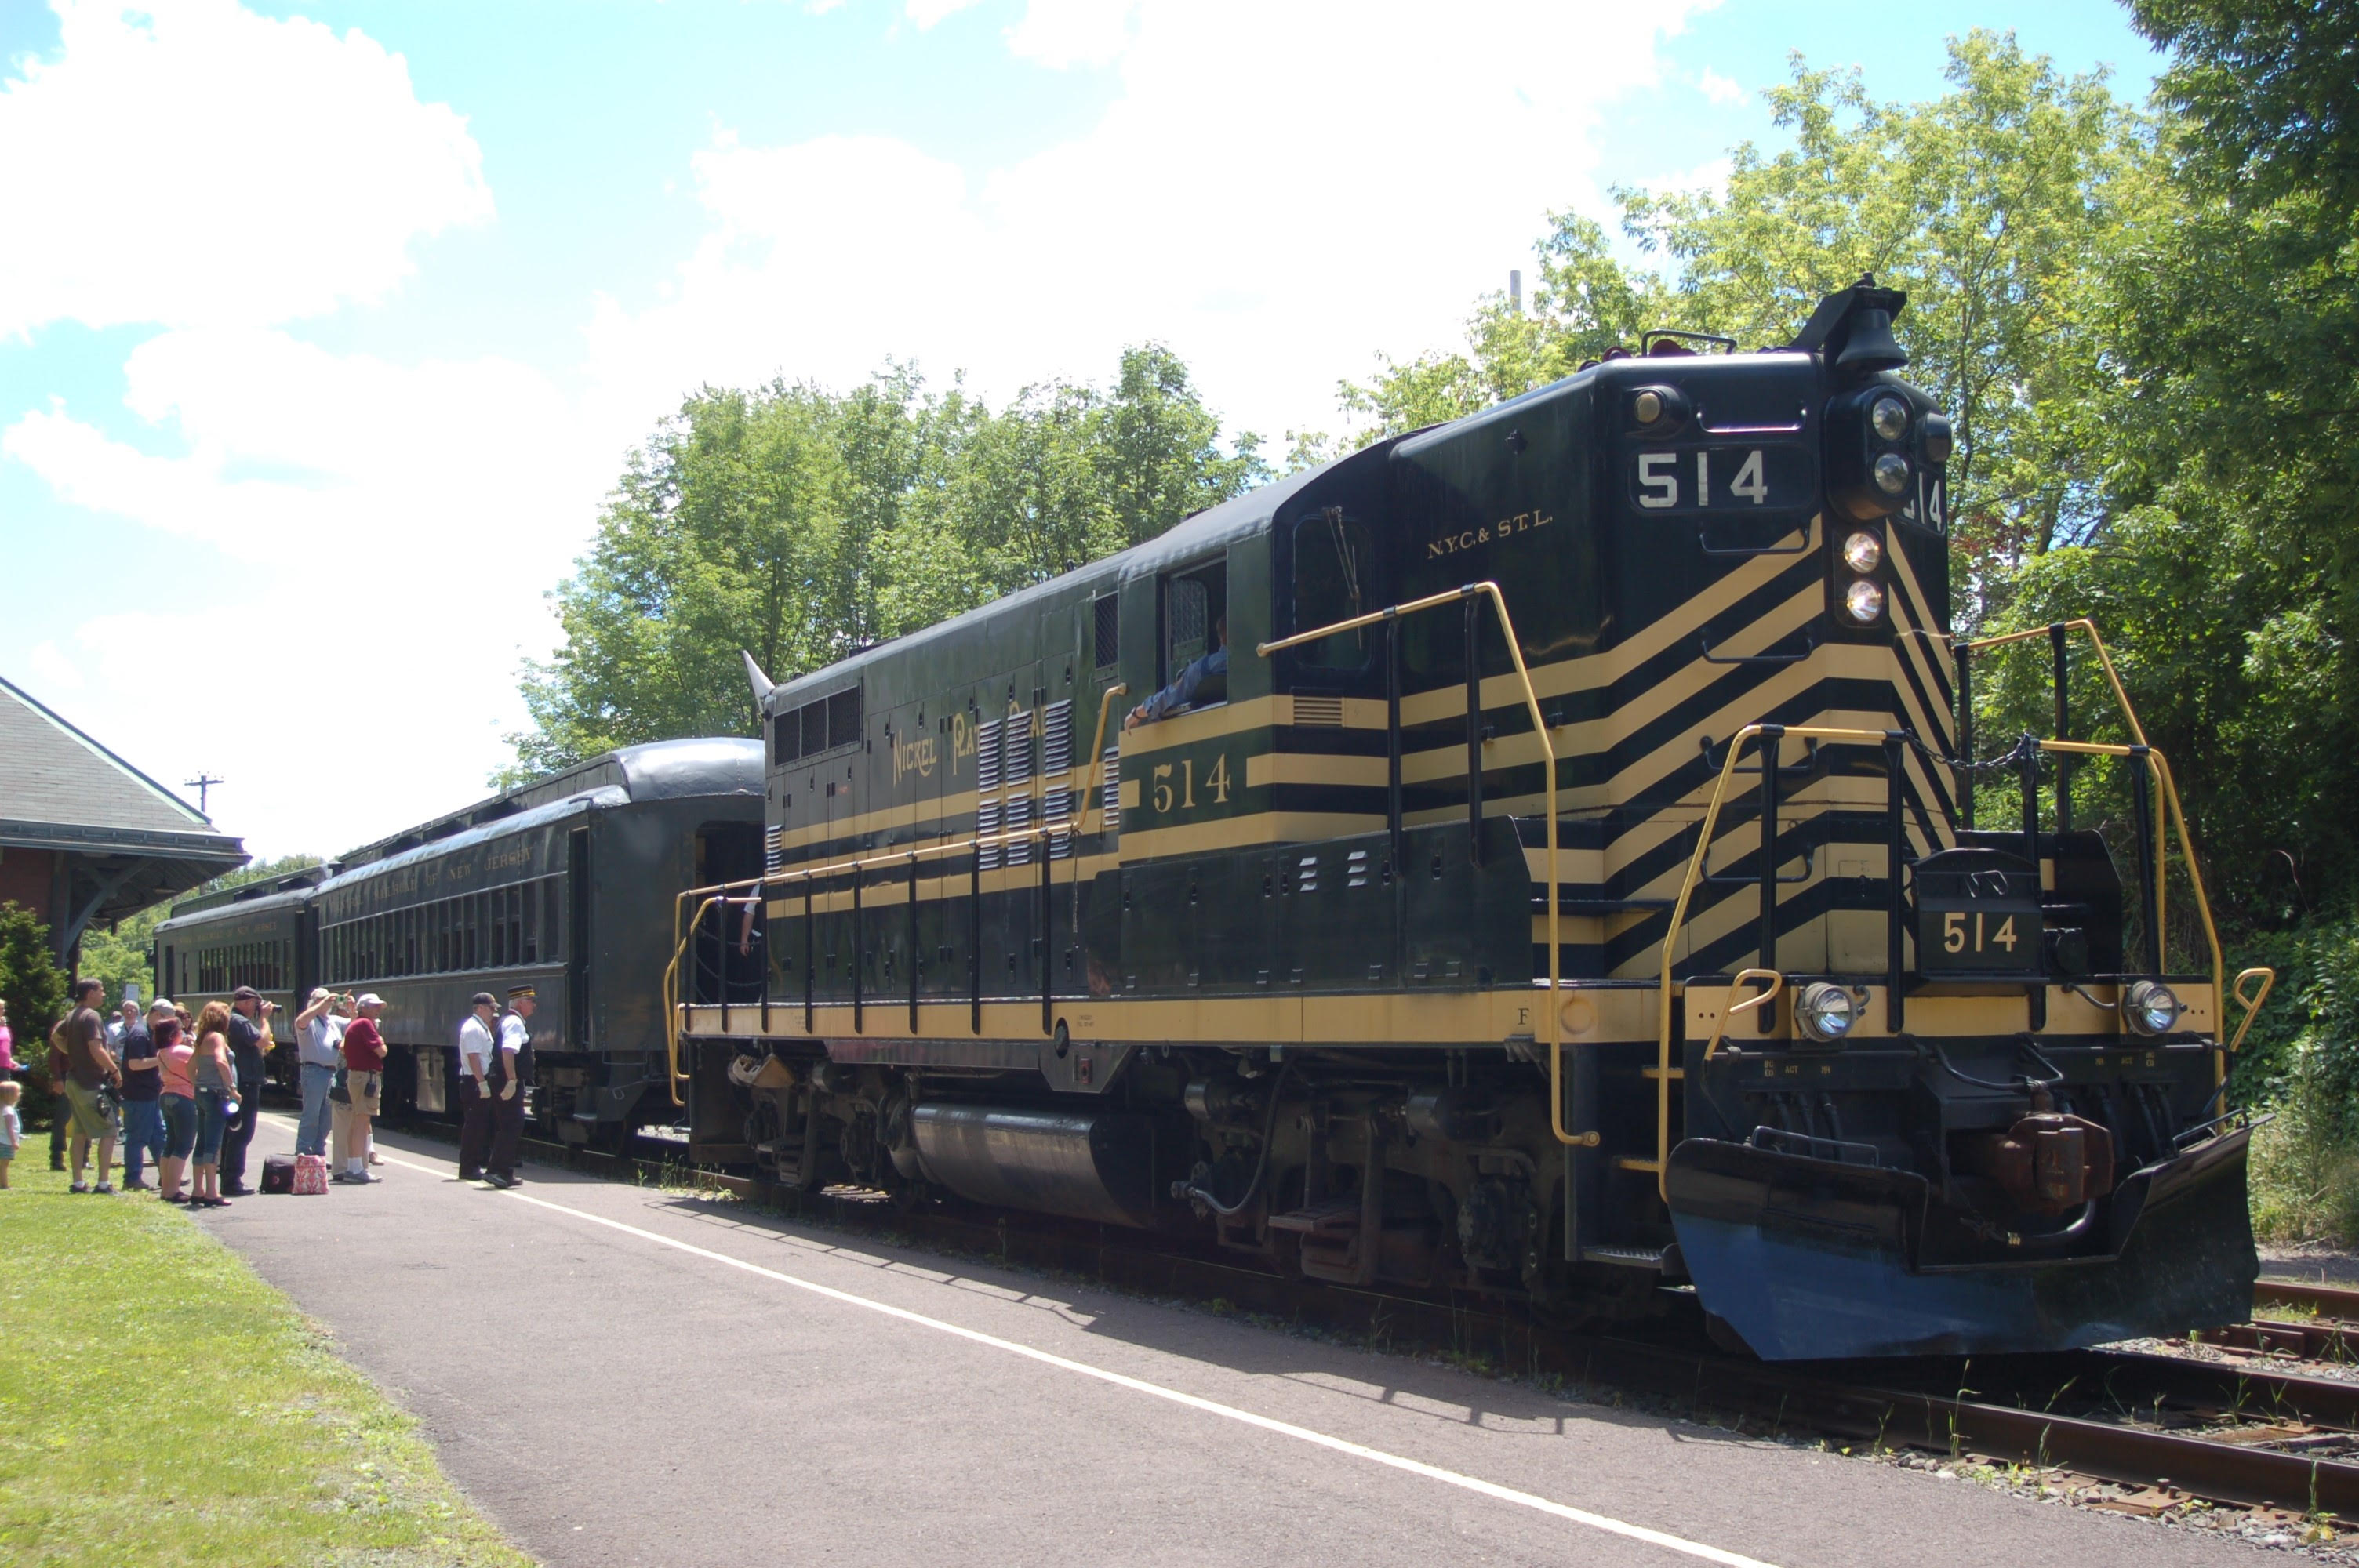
(512, 1073)
(476, 1054)
(364, 1082)
(249, 1040)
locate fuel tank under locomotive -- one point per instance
(1093, 1164)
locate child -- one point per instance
(12, 1132)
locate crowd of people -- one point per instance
(184, 1092)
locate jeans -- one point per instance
(312, 1132)
(143, 1134)
(237, 1131)
(179, 1126)
(210, 1121)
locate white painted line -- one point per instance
(1140, 1386)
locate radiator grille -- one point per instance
(1319, 712)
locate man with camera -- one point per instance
(249, 1041)
(319, 1047)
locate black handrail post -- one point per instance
(2142, 817)
(810, 959)
(859, 1024)
(1474, 736)
(913, 943)
(2027, 763)
(1392, 739)
(974, 938)
(762, 907)
(1965, 657)
(1773, 738)
(1893, 844)
(2056, 646)
(1047, 938)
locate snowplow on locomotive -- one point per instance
(1531, 855)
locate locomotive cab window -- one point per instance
(1331, 584)
(1195, 666)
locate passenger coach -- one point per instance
(1549, 877)
(565, 885)
(260, 936)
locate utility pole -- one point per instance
(201, 784)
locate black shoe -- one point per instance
(79, 1187)
(105, 1187)
(176, 1197)
(502, 1183)
(471, 1175)
(240, 1191)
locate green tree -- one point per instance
(30, 981)
(801, 524)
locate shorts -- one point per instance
(95, 1115)
(179, 1126)
(366, 1089)
(7, 1152)
(210, 1120)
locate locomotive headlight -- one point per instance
(1863, 601)
(2150, 1007)
(1889, 418)
(1891, 474)
(1861, 551)
(1825, 1011)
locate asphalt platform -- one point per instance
(620, 1376)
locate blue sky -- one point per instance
(334, 322)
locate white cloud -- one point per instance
(1719, 88)
(1276, 223)
(924, 13)
(1061, 33)
(385, 534)
(188, 162)
(50, 663)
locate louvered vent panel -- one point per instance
(1017, 818)
(1058, 809)
(1056, 738)
(986, 823)
(774, 855)
(1110, 790)
(986, 756)
(1356, 868)
(1319, 712)
(1306, 874)
(1016, 761)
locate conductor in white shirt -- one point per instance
(477, 1052)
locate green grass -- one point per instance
(161, 1404)
(2305, 1184)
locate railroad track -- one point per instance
(2225, 1432)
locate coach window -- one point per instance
(553, 919)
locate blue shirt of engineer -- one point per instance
(1181, 692)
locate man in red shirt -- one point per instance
(364, 1082)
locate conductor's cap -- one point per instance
(523, 993)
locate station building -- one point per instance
(85, 837)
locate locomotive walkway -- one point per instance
(620, 1376)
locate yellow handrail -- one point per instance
(1498, 600)
(1744, 978)
(2251, 1005)
(2104, 657)
(1660, 1164)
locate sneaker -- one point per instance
(365, 1178)
(79, 1187)
(502, 1183)
(105, 1187)
(342, 1177)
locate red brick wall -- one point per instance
(26, 879)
